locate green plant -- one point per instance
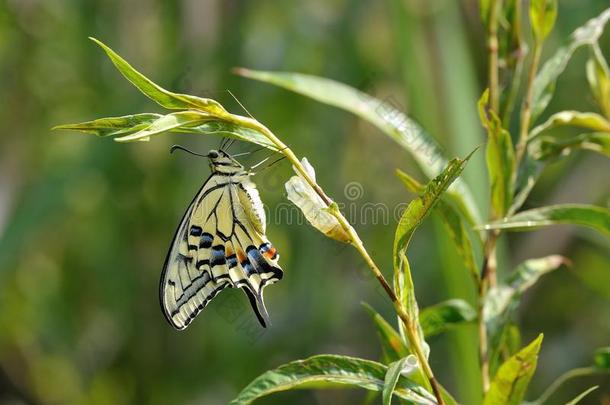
(514, 165)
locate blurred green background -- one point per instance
(85, 223)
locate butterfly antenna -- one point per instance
(240, 104)
(260, 163)
(182, 148)
(271, 164)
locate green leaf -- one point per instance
(543, 14)
(330, 371)
(458, 233)
(544, 82)
(582, 395)
(598, 76)
(510, 382)
(590, 216)
(392, 345)
(415, 213)
(586, 120)
(452, 220)
(445, 315)
(165, 98)
(418, 209)
(392, 376)
(113, 126)
(525, 275)
(392, 122)
(131, 124)
(231, 130)
(549, 147)
(601, 359)
(500, 156)
(405, 292)
(173, 121)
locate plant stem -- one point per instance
(526, 111)
(488, 280)
(355, 241)
(492, 46)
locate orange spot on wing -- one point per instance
(229, 251)
(241, 256)
(270, 254)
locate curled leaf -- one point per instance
(549, 147)
(592, 121)
(312, 206)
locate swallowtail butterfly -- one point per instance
(220, 243)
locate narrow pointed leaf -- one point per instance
(543, 14)
(445, 315)
(169, 122)
(419, 208)
(588, 120)
(510, 382)
(392, 345)
(546, 148)
(330, 371)
(391, 379)
(581, 396)
(597, 218)
(113, 126)
(453, 222)
(394, 123)
(544, 83)
(165, 98)
(500, 157)
(598, 76)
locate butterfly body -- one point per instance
(220, 243)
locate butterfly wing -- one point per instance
(186, 286)
(218, 244)
(254, 264)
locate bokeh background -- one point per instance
(85, 222)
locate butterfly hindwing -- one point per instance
(220, 243)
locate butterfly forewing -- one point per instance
(220, 243)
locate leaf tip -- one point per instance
(241, 71)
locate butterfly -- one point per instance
(220, 243)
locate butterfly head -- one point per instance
(221, 161)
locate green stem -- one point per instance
(355, 241)
(488, 280)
